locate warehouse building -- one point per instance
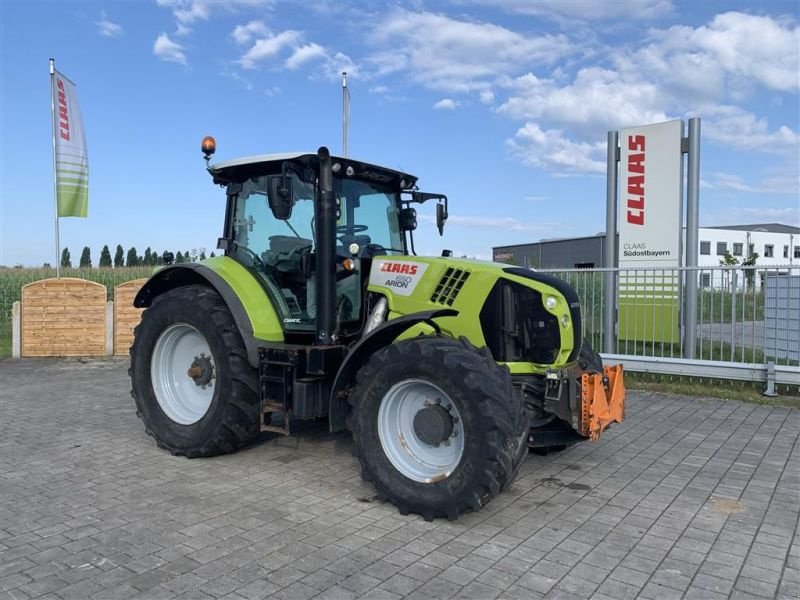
(775, 243)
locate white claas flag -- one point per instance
(72, 161)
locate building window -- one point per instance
(705, 247)
(769, 251)
(797, 251)
(722, 248)
(705, 279)
(737, 249)
(786, 252)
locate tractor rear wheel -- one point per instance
(437, 426)
(193, 387)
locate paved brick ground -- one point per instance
(689, 498)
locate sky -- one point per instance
(503, 105)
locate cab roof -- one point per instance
(240, 169)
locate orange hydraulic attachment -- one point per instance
(602, 400)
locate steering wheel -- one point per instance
(257, 261)
(345, 229)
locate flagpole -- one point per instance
(55, 181)
(345, 113)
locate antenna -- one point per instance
(345, 114)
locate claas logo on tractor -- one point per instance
(446, 371)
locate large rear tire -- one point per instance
(437, 426)
(193, 387)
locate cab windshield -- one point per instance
(275, 248)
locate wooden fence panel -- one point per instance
(63, 317)
(126, 316)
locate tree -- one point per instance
(148, 256)
(179, 258)
(86, 258)
(728, 260)
(749, 274)
(119, 256)
(187, 257)
(105, 257)
(202, 254)
(47, 265)
(66, 263)
(212, 255)
(133, 258)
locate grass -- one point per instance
(723, 389)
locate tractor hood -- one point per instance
(523, 316)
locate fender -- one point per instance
(378, 338)
(234, 287)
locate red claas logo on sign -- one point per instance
(635, 203)
(398, 267)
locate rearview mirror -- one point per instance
(281, 198)
(441, 217)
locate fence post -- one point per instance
(16, 330)
(609, 309)
(692, 245)
(110, 328)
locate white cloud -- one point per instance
(304, 54)
(552, 151)
(108, 28)
(678, 73)
(597, 97)
(187, 12)
(167, 50)
(773, 184)
(737, 215)
(447, 54)
(742, 45)
(587, 9)
(503, 223)
(268, 47)
(735, 127)
(446, 104)
(487, 96)
(244, 34)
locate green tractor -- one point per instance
(445, 370)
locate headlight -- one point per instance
(564, 320)
(550, 302)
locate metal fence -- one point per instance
(12, 280)
(746, 316)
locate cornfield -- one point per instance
(12, 281)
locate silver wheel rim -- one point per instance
(411, 456)
(181, 397)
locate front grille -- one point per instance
(449, 286)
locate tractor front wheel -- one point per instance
(437, 426)
(193, 387)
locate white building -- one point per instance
(777, 245)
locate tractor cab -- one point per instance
(270, 228)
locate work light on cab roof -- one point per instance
(208, 146)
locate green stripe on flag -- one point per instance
(72, 200)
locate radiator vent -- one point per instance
(449, 286)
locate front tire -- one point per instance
(465, 448)
(193, 387)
